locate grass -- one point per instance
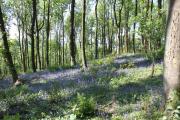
(126, 96)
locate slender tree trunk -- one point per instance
(118, 24)
(112, 31)
(59, 47)
(146, 43)
(27, 48)
(127, 27)
(160, 15)
(102, 40)
(32, 36)
(104, 30)
(43, 40)
(19, 37)
(84, 62)
(136, 7)
(37, 43)
(47, 34)
(63, 40)
(109, 33)
(42, 50)
(23, 45)
(96, 37)
(72, 36)
(7, 53)
(172, 56)
(159, 7)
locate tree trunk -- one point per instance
(126, 26)
(6, 52)
(84, 62)
(63, 37)
(104, 30)
(118, 24)
(23, 44)
(172, 56)
(42, 50)
(96, 37)
(32, 36)
(146, 42)
(136, 8)
(160, 16)
(47, 35)
(19, 36)
(27, 48)
(72, 36)
(37, 43)
(159, 7)
(38, 29)
(108, 29)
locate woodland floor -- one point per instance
(119, 91)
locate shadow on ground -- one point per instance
(88, 83)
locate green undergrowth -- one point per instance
(128, 95)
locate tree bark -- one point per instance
(47, 35)
(72, 36)
(160, 16)
(104, 29)
(172, 55)
(96, 37)
(118, 24)
(38, 29)
(37, 43)
(134, 35)
(63, 41)
(6, 52)
(32, 36)
(159, 7)
(84, 62)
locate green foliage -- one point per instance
(67, 66)
(127, 65)
(172, 114)
(84, 107)
(12, 92)
(67, 117)
(12, 117)
(127, 94)
(176, 113)
(55, 95)
(53, 68)
(93, 70)
(155, 55)
(103, 61)
(117, 118)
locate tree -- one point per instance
(104, 29)
(96, 37)
(160, 15)
(172, 56)
(126, 9)
(38, 29)
(84, 62)
(6, 51)
(159, 6)
(72, 36)
(63, 37)
(32, 35)
(134, 26)
(118, 24)
(47, 34)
